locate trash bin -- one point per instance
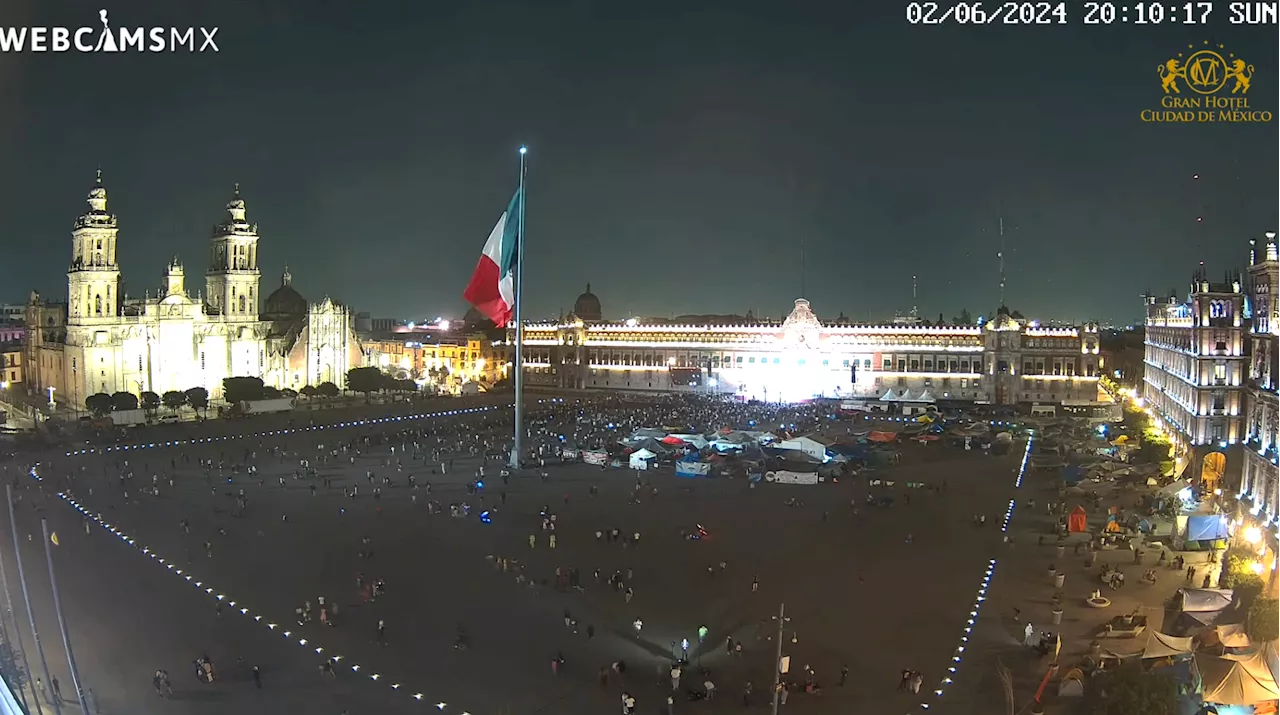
(1062, 550)
(1059, 579)
(1057, 616)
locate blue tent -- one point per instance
(1206, 527)
(1073, 474)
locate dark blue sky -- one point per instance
(680, 154)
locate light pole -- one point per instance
(779, 667)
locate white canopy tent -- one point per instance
(1236, 680)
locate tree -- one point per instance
(198, 398)
(366, 379)
(1264, 620)
(309, 391)
(1130, 690)
(964, 318)
(98, 403)
(286, 392)
(271, 393)
(242, 389)
(328, 389)
(1239, 575)
(173, 400)
(124, 401)
(150, 402)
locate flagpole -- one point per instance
(516, 447)
(62, 621)
(31, 616)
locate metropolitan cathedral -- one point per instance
(103, 340)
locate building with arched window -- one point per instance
(1002, 361)
(102, 340)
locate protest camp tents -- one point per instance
(1236, 680)
(809, 446)
(642, 459)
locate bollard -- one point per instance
(1062, 550)
(1059, 579)
(1057, 616)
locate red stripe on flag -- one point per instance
(482, 292)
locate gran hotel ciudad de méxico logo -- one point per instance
(105, 38)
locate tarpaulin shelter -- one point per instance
(877, 436)
(1203, 600)
(1073, 474)
(1229, 680)
(809, 446)
(889, 396)
(1078, 522)
(1231, 635)
(1207, 527)
(1154, 645)
(1161, 645)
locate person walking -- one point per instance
(382, 632)
(257, 677)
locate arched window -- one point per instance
(242, 304)
(97, 304)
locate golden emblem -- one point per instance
(1205, 71)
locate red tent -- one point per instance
(672, 440)
(1078, 522)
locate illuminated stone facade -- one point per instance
(1260, 481)
(1196, 364)
(445, 362)
(1004, 361)
(168, 340)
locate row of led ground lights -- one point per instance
(312, 428)
(221, 597)
(958, 655)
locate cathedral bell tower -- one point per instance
(93, 279)
(231, 285)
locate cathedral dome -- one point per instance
(587, 306)
(285, 301)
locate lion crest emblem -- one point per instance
(1170, 72)
(1242, 73)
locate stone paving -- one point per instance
(857, 593)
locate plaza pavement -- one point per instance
(856, 592)
(1022, 582)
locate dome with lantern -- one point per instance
(587, 307)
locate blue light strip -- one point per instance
(221, 597)
(958, 654)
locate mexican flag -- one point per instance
(492, 288)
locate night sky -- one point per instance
(682, 155)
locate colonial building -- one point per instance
(447, 362)
(167, 339)
(1260, 484)
(1004, 361)
(1195, 374)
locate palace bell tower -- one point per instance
(231, 285)
(93, 279)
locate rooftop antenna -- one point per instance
(1000, 255)
(915, 313)
(802, 286)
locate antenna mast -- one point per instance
(915, 312)
(1000, 255)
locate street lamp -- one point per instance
(780, 667)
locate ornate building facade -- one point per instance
(1196, 362)
(103, 341)
(1005, 361)
(1260, 484)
